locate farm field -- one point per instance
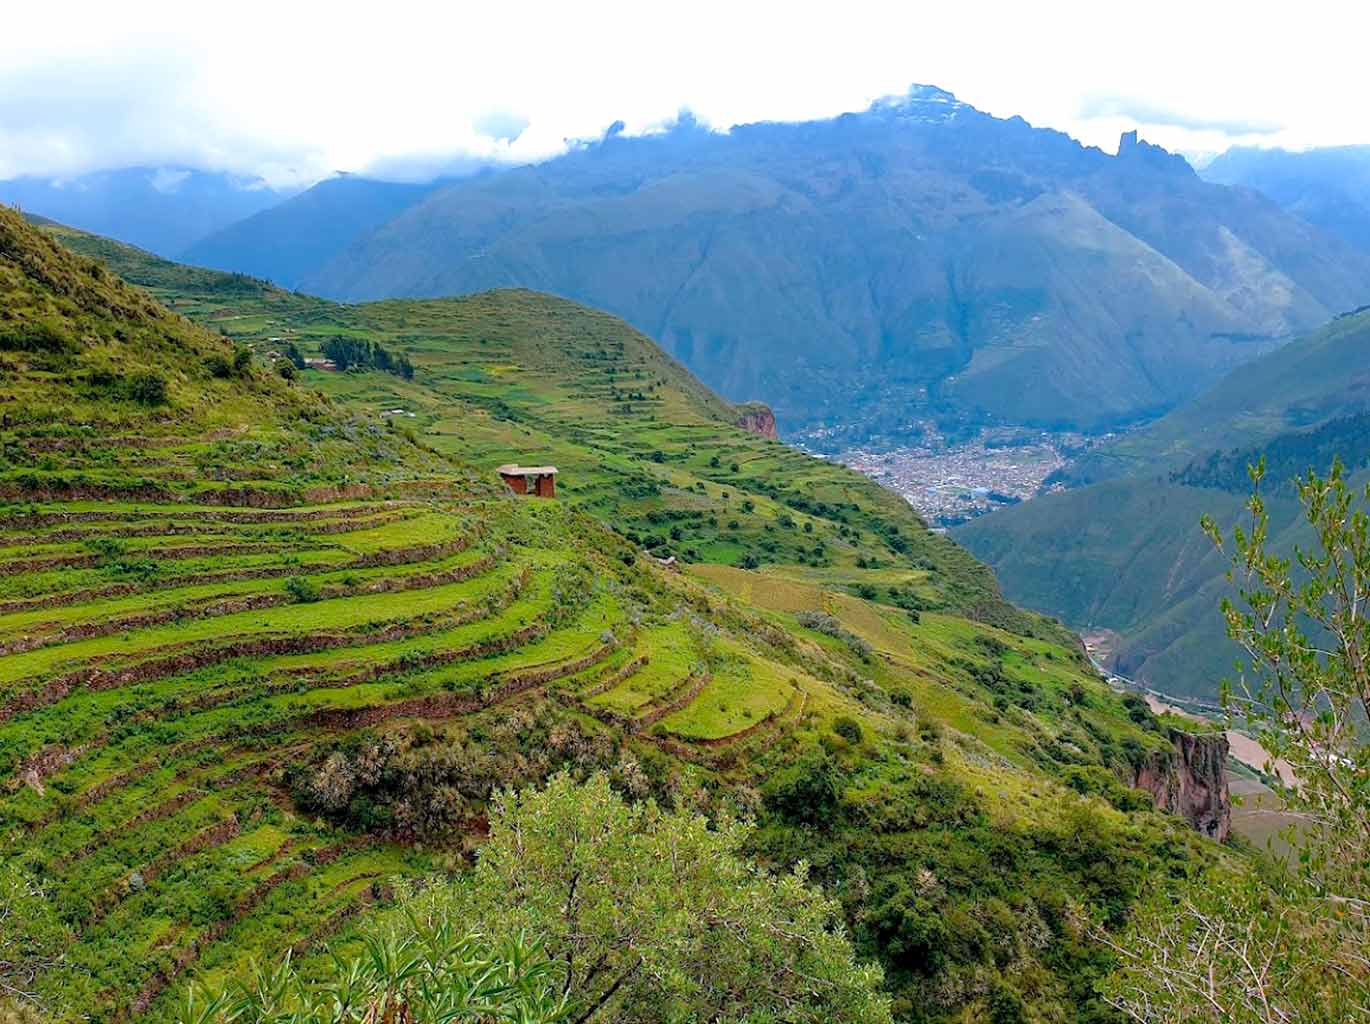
(266, 653)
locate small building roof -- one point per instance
(514, 469)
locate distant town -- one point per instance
(950, 483)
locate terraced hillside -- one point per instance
(263, 654)
(643, 446)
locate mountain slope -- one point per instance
(262, 655)
(163, 209)
(1305, 384)
(919, 258)
(285, 242)
(1125, 553)
(1329, 188)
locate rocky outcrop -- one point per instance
(757, 418)
(1130, 147)
(1191, 781)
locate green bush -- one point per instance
(301, 589)
(147, 388)
(805, 792)
(848, 728)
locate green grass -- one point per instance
(743, 690)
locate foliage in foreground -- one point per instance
(642, 914)
(1296, 950)
(427, 971)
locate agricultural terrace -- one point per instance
(514, 376)
(264, 654)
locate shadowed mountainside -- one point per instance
(286, 242)
(163, 209)
(918, 258)
(1124, 552)
(1327, 187)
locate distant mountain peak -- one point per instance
(925, 103)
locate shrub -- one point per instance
(147, 388)
(805, 792)
(40, 334)
(848, 728)
(301, 589)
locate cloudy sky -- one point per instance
(293, 91)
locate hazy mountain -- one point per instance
(1126, 554)
(286, 242)
(161, 209)
(918, 256)
(1327, 187)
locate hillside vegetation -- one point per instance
(264, 653)
(514, 376)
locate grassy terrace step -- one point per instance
(142, 535)
(740, 693)
(56, 590)
(368, 613)
(43, 631)
(81, 718)
(672, 654)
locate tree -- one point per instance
(657, 916)
(1295, 946)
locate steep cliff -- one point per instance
(1191, 781)
(758, 418)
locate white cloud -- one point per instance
(294, 91)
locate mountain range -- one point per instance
(162, 209)
(1328, 187)
(918, 259)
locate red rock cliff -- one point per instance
(757, 418)
(1191, 781)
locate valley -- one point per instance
(1119, 546)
